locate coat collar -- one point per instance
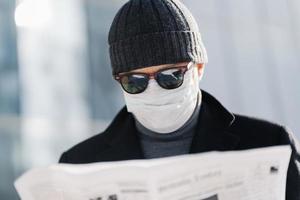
(211, 132)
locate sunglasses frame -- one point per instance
(153, 75)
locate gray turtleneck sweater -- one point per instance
(156, 145)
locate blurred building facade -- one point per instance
(56, 87)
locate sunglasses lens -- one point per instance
(134, 83)
(170, 78)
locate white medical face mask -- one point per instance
(162, 110)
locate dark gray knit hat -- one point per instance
(154, 32)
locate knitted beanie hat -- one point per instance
(154, 32)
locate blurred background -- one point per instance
(56, 87)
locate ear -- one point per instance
(200, 67)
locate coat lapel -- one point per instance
(212, 131)
(123, 139)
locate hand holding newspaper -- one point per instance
(257, 174)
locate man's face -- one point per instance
(166, 103)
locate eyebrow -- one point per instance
(172, 65)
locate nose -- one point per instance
(152, 76)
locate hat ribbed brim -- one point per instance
(156, 49)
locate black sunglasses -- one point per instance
(167, 78)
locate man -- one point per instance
(158, 58)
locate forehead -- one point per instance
(155, 68)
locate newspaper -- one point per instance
(257, 174)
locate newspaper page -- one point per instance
(256, 174)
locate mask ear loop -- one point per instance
(191, 66)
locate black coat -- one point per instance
(217, 129)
